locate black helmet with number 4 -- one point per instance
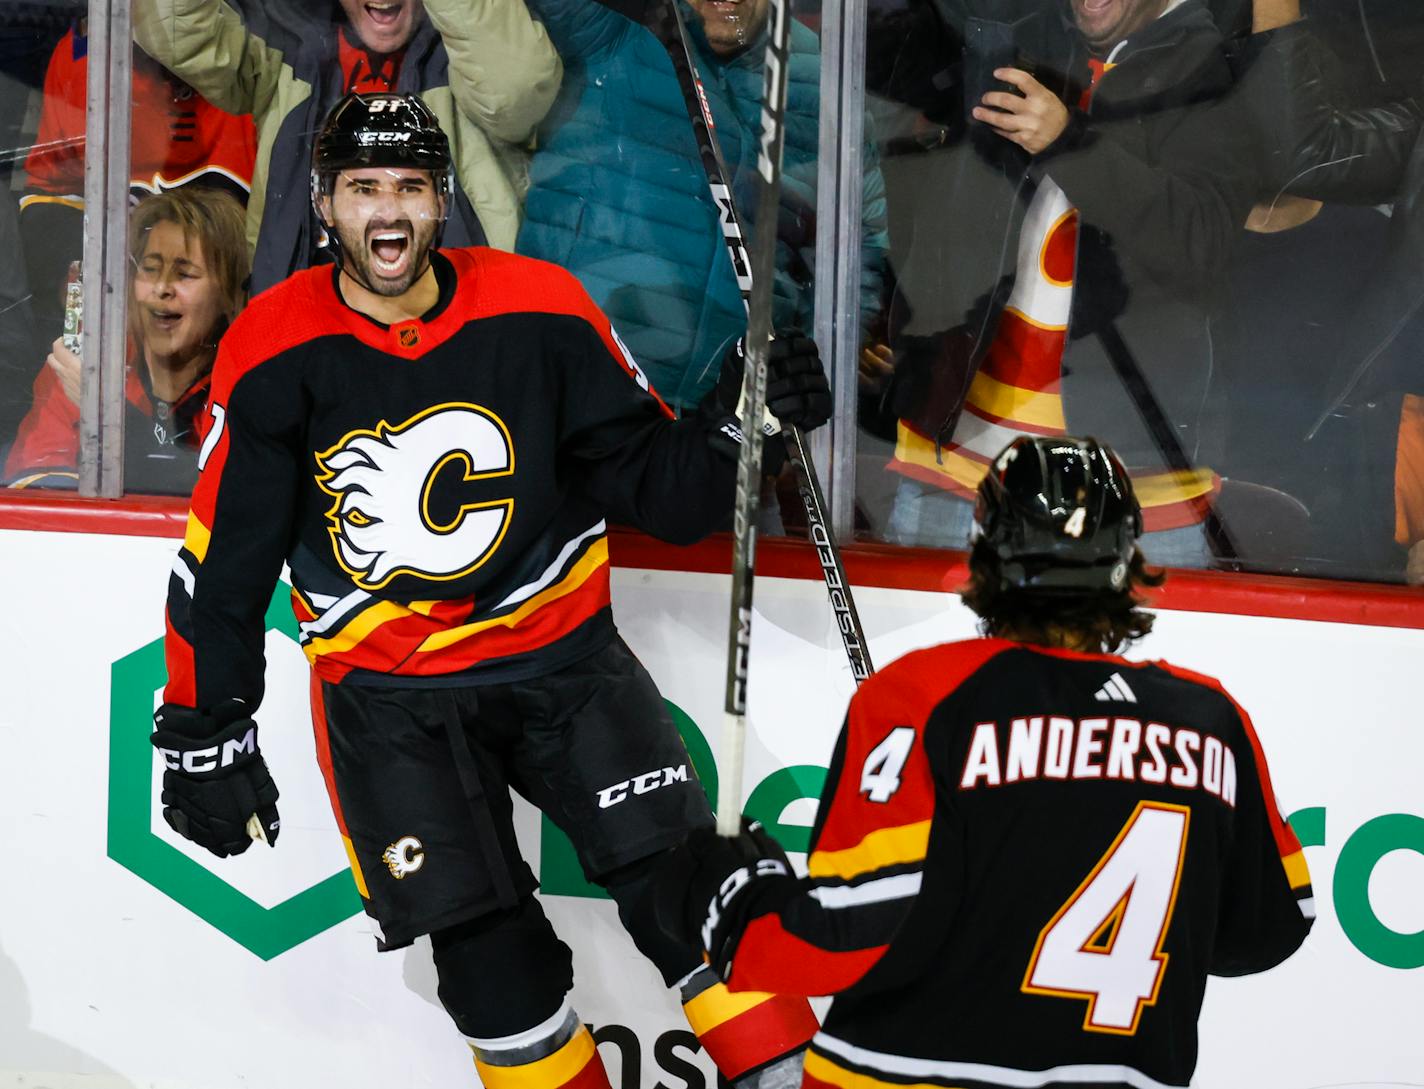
(375, 130)
(1060, 515)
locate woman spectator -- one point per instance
(178, 138)
(187, 281)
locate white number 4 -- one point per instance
(880, 777)
(1105, 943)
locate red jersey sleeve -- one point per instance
(241, 514)
(55, 164)
(822, 934)
(48, 437)
(1267, 903)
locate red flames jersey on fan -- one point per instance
(439, 487)
(1026, 863)
(178, 136)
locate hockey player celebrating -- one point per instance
(433, 441)
(1030, 852)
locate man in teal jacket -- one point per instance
(619, 198)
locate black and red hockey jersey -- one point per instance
(439, 488)
(1026, 863)
(178, 136)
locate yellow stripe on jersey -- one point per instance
(1045, 326)
(361, 625)
(588, 563)
(43, 474)
(196, 537)
(1014, 403)
(717, 1005)
(1159, 489)
(915, 449)
(356, 868)
(76, 202)
(881, 848)
(1297, 873)
(556, 1069)
(822, 1069)
(1152, 489)
(371, 618)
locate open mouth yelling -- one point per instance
(384, 15)
(390, 253)
(164, 320)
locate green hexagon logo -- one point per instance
(264, 931)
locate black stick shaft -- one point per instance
(1130, 375)
(665, 22)
(754, 275)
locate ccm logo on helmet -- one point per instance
(369, 137)
(199, 761)
(641, 784)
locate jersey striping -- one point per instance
(440, 489)
(1011, 884)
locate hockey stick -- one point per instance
(1165, 439)
(663, 19)
(754, 277)
(755, 283)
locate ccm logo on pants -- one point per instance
(641, 784)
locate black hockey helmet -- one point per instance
(396, 130)
(381, 130)
(1060, 515)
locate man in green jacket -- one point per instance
(486, 69)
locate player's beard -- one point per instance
(360, 262)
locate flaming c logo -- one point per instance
(383, 481)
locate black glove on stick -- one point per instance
(797, 390)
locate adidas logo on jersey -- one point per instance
(1115, 691)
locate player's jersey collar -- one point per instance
(406, 338)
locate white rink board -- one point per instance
(106, 982)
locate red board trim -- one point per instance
(885, 566)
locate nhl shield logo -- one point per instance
(409, 337)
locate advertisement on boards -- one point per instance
(130, 959)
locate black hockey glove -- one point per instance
(214, 777)
(710, 890)
(797, 391)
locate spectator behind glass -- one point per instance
(188, 268)
(1319, 340)
(484, 67)
(178, 138)
(28, 31)
(1122, 185)
(619, 196)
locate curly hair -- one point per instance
(1106, 621)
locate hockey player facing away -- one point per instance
(433, 440)
(1030, 852)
